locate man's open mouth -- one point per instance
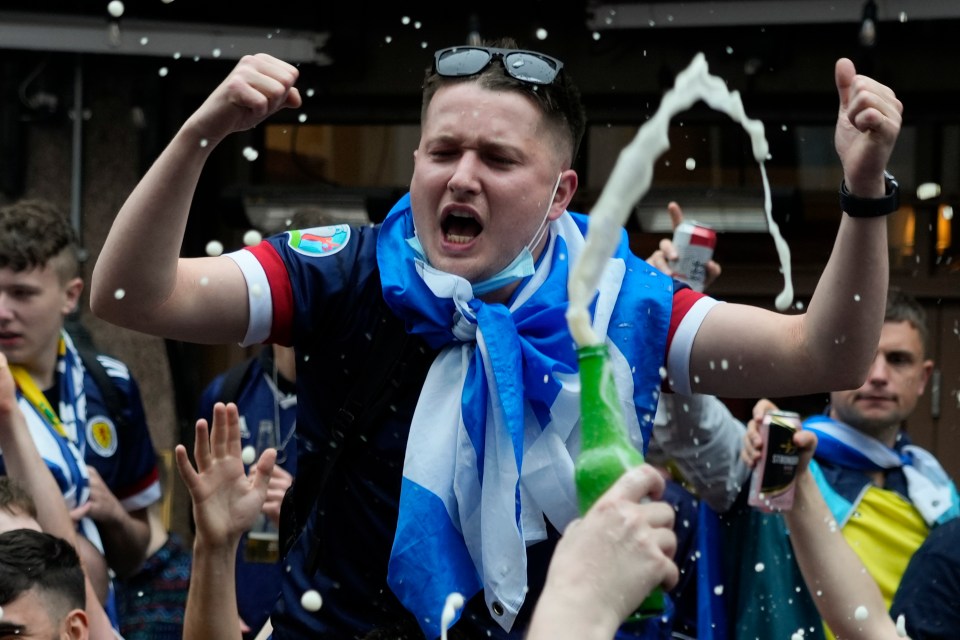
(460, 227)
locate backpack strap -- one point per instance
(116, 402)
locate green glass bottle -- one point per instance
(606, 451)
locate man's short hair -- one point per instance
(902, 307)
(15, 500)
(33, 233)
(559, 101)
(33, 560)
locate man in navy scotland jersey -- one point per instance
(464, 480)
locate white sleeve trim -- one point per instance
(678, 358)
(258, 297)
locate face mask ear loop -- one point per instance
(542, 229)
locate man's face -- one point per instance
(484, 175)
(895, 382)
(28, 618)
(33, 304)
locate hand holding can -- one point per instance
(694, 243)
(773, 484)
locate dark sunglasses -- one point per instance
(526, 66)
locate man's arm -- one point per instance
(694, 430)
(145, 285)
(24, 464)
(829, 566)
(125, 534)
(831, 345)
(225, 504)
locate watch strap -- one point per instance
(857, 207)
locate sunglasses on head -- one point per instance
(526, 66)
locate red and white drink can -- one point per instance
(773, 484)
(695, 243)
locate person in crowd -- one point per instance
(97, 456)
(263, 388)
(44, 587)
(41, 587)
(456, 303)
(885, 492)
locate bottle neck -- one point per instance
(602, 421)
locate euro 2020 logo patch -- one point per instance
(319, 241)
(102, 436)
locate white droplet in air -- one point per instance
(417, 24)
(903, 16)
(214, 248)
(405, 20)
(388, 39)
(796, 636)
(861, 613)
(718, 590)
(119, 293)
(759, 567)
(163, 71)
(596, 35)
(250, 153)
(311, 600)
(310, 92)
(856, 297)
(176, 55)
(166, 1)
(729, 50)
(204, 281)
(204, 142)
(252, 237)
(724, 364)
(302, 117)
(691, 164)
(453, 604)
(901, 626)
(215, 53)
(115, 8)
(546, 379)
(248, 455)
(541, 34)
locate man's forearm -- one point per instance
(845, 315)
(125, 541)
(211, 612)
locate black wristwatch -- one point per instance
(871, 207)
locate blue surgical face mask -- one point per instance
(521, 267)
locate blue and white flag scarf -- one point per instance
(64, 455)
(493, 438)
(929, 487)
